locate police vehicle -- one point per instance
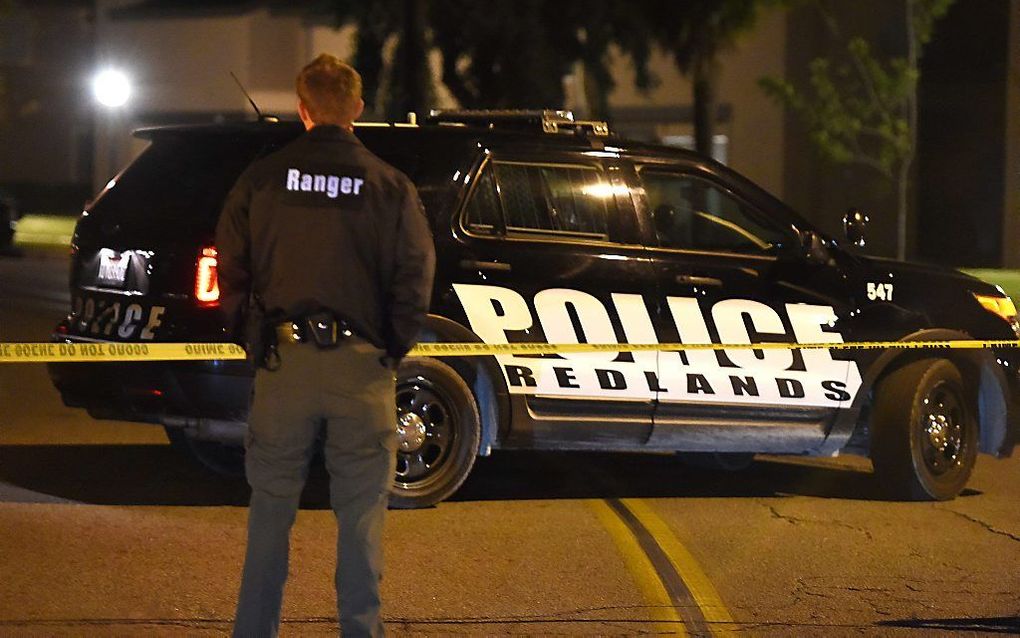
(554, 230)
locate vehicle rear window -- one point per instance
(553, 198)
(182, 178)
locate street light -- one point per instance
(111, 88)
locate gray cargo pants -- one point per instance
(350, 393)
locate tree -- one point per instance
(515, 53)
(498, 54)
(694, 33)
(502, 53)
(863, 110)
(401, 87)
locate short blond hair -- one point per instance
(330, 89)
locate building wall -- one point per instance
(45, 128)
(1011, 169)
(816, 187)
(180, 65)
(965, 181)
(179, 70)
(962, 135)
(753, 125)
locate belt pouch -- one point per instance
(323, 328)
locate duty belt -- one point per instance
(322, 329)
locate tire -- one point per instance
(717, 461)
(924, 432)
(439, 429)
(219, 458)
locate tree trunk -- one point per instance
(704, 107)
(904, 181)
(902, 205)
(594, 95)
(415, 57)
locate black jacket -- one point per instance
(325, 223)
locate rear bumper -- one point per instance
(156, 392)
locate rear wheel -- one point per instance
(220, 458)
(438, 431)
(924, 431)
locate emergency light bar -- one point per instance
(547, 121)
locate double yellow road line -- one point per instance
(683, 600)
(91, 352)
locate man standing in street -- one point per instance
(328, 249)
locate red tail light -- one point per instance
(207, 286)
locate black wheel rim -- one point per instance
(943, 424)
(426, 436)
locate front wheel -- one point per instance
(924, 431)
(438, 432)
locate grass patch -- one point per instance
(1008, 280)
(45, 230)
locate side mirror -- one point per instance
(854, 223)
(813, 248)
(664, 216)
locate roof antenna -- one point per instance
(262, 118)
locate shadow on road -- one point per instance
(112, 475)
(158, 475)
(534, 475)
(998, 625)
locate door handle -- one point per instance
(694, 280)
(471, 264)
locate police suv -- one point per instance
(550, 230)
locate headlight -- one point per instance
(1001, 306)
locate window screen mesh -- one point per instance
(570, 199)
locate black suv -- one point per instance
(551, 230)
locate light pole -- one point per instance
(111, 88)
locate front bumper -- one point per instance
(1003, 374)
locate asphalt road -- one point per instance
(104, 530)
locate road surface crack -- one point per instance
(988, 526)
(793, 520)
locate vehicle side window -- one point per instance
(482, 214)
(692, 213)
(553, 198)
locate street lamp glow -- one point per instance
(111, 88)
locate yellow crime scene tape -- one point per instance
(91, 352)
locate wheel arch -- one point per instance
(977, 367)
(481, 374)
